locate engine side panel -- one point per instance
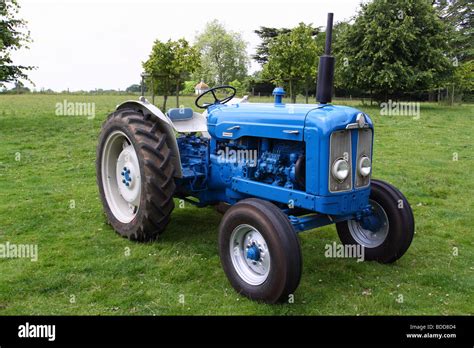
(258, 120)
(209, 166)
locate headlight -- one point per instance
(340, 169)
(365, 166)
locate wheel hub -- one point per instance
(371, 222)
(253, 253)
(128, 176)
(370, 230)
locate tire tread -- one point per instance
(158, 171)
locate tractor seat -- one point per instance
(184, 120)
(180, 114)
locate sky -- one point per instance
(88, 44)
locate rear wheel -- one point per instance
(135, 175)
(387, 233)
(260, 251)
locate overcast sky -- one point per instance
(101, 43)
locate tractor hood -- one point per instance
(278, 121)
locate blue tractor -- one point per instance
(278, 169)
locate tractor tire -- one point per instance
(260, 251)
(222, 207)
(394, 225)
(135, 175)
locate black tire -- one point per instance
(401, 224)
(156, 173)
(283, 245)
(222, 207)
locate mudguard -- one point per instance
(167, 127)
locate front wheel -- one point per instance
(260, 251)
(387, 233)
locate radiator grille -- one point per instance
(340, 147)
(364, 148)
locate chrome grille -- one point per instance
(340, 147)
(364, 148)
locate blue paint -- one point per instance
(280, 135)
(253, 253)
(309, 222)
(180, 114)
(279, 93)
(371, 222)
(127, 179)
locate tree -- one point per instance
(168, 65)
(338, 33)
(135, 88)
(18, 88)
(187, 60)
(223, 55)
(464, 76)
(239, 87)
(458, 17)
(13, 36)
(266, 35)
(189, 87)
(258, 84)
(159, 67)
(293, 58)
(393, 47)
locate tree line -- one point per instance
(389, 49)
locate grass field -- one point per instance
(48, 197)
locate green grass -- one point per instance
(82, 258)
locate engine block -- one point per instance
(282, 164)
(194, 154)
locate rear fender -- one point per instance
(167, 127)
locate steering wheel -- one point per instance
(216, 100)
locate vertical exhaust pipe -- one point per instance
(326, 68)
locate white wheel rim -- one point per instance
(121, 178)
(246, 241)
